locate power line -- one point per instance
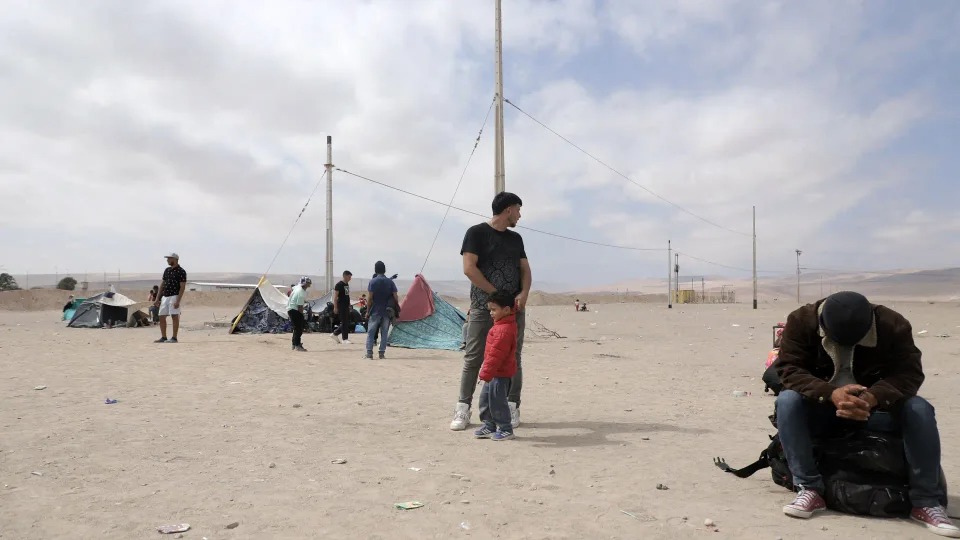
(462, 174)
(714, 263)
(531, 229)
(624, 176)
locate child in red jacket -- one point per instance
(499, 365)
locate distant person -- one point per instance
(295, 306)
(383, 294)
(499, 366)
(576, 305)
(152, 297)
(494, 260)
(847, 364)
(583, 307)
(172, 288)
(69, 304)
(341, 308)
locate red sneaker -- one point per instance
(936, 519)
(806, 503)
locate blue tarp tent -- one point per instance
(427, 321)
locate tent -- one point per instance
(70, 311)
(264, 313)
(427, 321)
(106, 308)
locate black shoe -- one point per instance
(172, 340)
(299, 348)
(383, 356)
(161, 340)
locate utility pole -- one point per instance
(328, 279)
(754, 257)
(499, 174)
(798, 274)
(703, 291)
(669, 279)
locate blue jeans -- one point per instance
(378, 323)
(799, 419)
(494, 411)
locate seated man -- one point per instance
(845, 362)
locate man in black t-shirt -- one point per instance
(172, 287)
(341, 307)
(494, 259)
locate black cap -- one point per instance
(846, 317)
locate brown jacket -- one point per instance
(891, 370)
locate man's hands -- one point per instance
(176, 303)
(522, 301)
(853, 402)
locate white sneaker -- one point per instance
(514, 414)
(346, 342)
(335, 338)
(461, 418)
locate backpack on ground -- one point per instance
(864, 472)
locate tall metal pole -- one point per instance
(329, 167)
(499, 175)
(676, 271)
(798, 275)
(669, 278)
(754, 257)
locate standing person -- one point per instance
(846, 363)
(383, 292)
(295, 304)
(172, 287)
(341, 307)
(493, 259)
(499, 365)
(152, 298)
(576, 305)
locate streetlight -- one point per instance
(798, 274)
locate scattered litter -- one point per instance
(631, 515)
(628, 410)
(338, 461)
(233, 525)
(465, 525)
(409, 505)
(922, 332)
(662, 487)
(645, 438)
(740, 393)
(414, 469)
(37, 473)
(942, 335)
(553, 471)
(234, 382)
(109, 401)
(456, 475)
(464, 502)
(41, 387)
(709, 523)
(735, 325)
(273, 465)
(170, 529)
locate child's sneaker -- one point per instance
(484, 433)
(502, 436)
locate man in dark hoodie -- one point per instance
(846, 362)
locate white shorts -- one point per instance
(166, 306)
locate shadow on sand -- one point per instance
(595, 433)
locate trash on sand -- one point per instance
(740, 393)
(414, 469)
(409, 505)
(942, 335)
(629, 514)
(233, 525)
(41, 387)
(170, 529)
(709, 523)
(110, 401)
(338, 461)
(662, 487)
(37, 473)
(465, 525)
(735, 325)
(922, 332)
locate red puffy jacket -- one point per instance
(500, 354)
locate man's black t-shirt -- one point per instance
(172, 278)
(498, 258)
(343, 294)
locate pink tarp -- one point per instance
(418, 304)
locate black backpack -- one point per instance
(864, 472)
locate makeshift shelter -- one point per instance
(264, 313)
(427, 321)
(104, 309)
(70, 311)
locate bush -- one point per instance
(67, 284)
(7, 283)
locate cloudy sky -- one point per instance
(128, 129)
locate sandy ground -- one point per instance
(221, 429)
